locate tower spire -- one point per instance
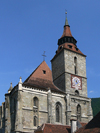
(66, 21)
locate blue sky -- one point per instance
(29, 27)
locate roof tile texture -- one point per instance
(52, 128)
(42, 78)
(66, 46)
(66, 31)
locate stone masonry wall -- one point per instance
(69, 63)
(58, 98)
(83, 102)
(69, 69)
(27, 108)
(58, 65)
(58, 71)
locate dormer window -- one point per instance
(70, 46)
(76, 49)
(44, 72)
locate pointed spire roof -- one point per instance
(42, 78)
(67, 41)
(66, 31)
(66, 21)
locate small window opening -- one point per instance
(70, 46)
(76, 49)
(77, 93)
(35, 100)
(44, 72)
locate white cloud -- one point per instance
(91, 91)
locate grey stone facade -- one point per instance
(27, 107)
(62, 69)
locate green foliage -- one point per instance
(95, 103)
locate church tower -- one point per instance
(69, 65)
(69, 75)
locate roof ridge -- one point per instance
(34, 71)
(57, 124)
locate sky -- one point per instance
(30, 27)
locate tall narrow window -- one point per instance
(35, 100)
(58, 112)
(75, 65)
(35, 111)
(35, 121)
(78, 112)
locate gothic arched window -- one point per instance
(78, 112)
(75, 65)
(35, 111)
(35, 101)
(58, 112)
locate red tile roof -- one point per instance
(53, 128)
(66, 31)
(92, 127)
(42, 78)
(65, 45)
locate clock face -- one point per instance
(76, 82)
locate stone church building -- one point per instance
(47, 96)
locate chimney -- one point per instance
(73, 125)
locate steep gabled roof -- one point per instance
(42, 78)
(53, 128)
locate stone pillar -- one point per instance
(3, 117)
(7, 114)
(68, 109)
(90, 114)
(18, 123)
(73, 126)
(49, 104)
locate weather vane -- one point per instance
(44, 56)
